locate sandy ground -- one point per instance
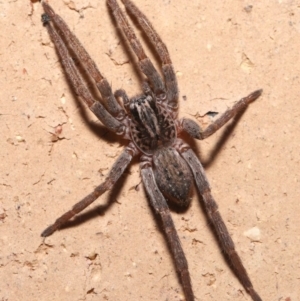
(53, 152)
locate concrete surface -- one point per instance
(53, 152)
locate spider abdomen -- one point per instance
(173, 176)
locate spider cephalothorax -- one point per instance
(151, 125)
(149, 121)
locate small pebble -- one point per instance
(253, 234)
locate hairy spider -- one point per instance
(149, 121)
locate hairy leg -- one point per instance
(114, 174)
(162, 51)
(87, 62)
(194, 130)
(214, 216)
(158, 202)
(77, 82)
(144, 62)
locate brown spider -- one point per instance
(149, 121)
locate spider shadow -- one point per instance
(227, 132)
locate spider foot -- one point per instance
(48, 231)
(254, 295)
(253, 96)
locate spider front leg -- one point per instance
(194, 130)
(162, 51)
(116, 171)
(86, 61)
(167, 91)
(214, 216)
(159, 204)
(144, 62)
(63, 39)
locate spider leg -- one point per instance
(194, 130)
(116, 171)
(87, 62)
(215, 218)
(158, 202)
(162, 51)
(76, 80)
(144, 62)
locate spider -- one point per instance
(149, 121)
